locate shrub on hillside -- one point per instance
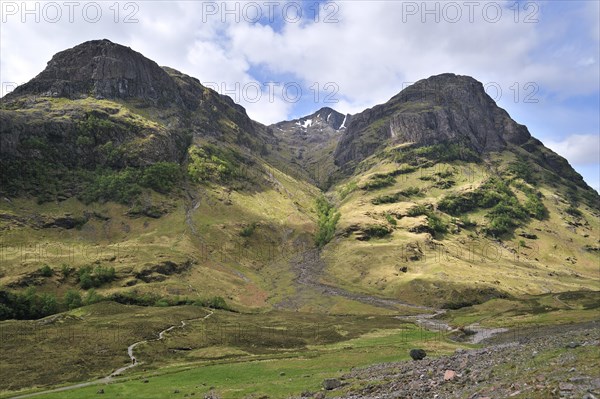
(95, 277)
(327, 218)
(379, 181)
(26, 305)
(46, 271)
(417, 210)
(161, 177)
(208, 164)
(72, 299)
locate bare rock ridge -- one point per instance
(446, 108)
(311, 140)
(103, 69)
(324, 117)
(442, 108)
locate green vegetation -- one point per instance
(417, 210)
(29, 305)
(89, 277)
(126, 185)
(92, 125)
(504, 217)
(436, 224)
(391, 219)
(375, 231)
(466, 222)
(409, 191)
(535, 207)
(26, 305)
(327, 218)
(46, 271)
(396, 197)
(65, 271)
(379, 181)
(85, 162)
(92, 297)
(523, 170)
(289, 352)
(161, 177)
(247, 231)
(205, 167)
(72, 299)
(386, 199)
(573, 211)
(473, 296)
(148, 299)
(447, 152)
(505, 213)
(119, 186)
(347, 189)
(210, 163)
(546, 309)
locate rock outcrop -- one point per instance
(102, 69)
(440, 109)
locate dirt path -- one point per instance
(557, 299)
(116, 373)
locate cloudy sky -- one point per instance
(285, 59)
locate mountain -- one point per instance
(133, 196)
(102, 69)
(443, 109)
(310, 141)
(105, 147)
(103, 105)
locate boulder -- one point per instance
(417, 354)
(331, 383)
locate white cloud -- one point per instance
(579, 149)
(370, 54)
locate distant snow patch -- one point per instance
(307, 123)
(343, 125)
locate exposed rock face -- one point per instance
(443, 108)
(37, 124)
(102, 69)
(315, 128)
(311, 139)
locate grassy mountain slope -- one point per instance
(122, 181)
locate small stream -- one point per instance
(430, 322)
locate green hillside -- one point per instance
(138, 206)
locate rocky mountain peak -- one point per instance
(102, 69)
(441, 109)
(330, 117)
(325, 118)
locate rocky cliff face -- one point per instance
(107, 83)
(103, 105)
(443, 108)
(316, 127)
(102, 69)
(310, 142)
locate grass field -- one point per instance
(294, 353)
